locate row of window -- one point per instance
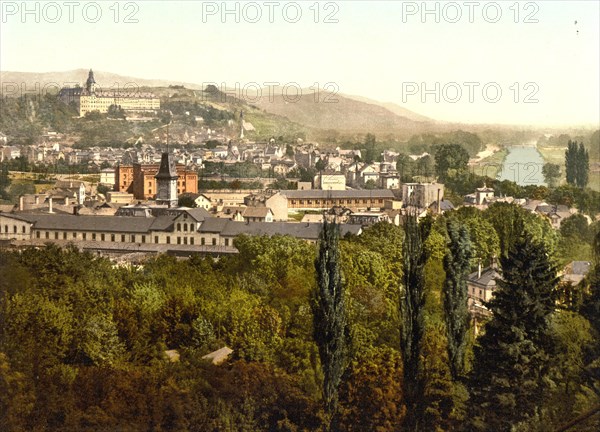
(122, 238)
(15, 229)
(338, 201)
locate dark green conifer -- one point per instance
(456, 265)
(412, 304)
(511, 358)
(329, 314)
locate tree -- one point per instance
(371, 395)
(456, 265)
(512, 357)
(571, 162)
(329, 314)
(576, 227)
(450, 159)
(370, 148)
(583, 166)
(551, 173)
(370, 184)
(577, 163)
(412, 302)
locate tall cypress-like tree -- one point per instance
(511, 358)
(412, 303)
(571, 162)
(329, 314)
(577, 164)
(456, 265)
(583, 166)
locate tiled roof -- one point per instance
(488, 277)
(260, 212)
(68, 222)
(305, 231)
(330, 194)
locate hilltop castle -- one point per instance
(91, 98)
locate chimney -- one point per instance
(37, 199)
(21, 202)
(479, 270)
(66, 201)
(50, 205)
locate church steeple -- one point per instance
(90, 84)
(166, 182)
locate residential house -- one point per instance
(258, 214)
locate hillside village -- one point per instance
(212, 219)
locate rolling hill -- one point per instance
(341, 113)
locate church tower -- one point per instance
(90, 84)
(166, 182)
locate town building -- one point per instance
(92, 98)
(330, 180)
(482, 284)
(325, 199)
(422, 195)
(178, 231)
(140, 180)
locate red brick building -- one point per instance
(139, 180)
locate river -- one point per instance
(523, 165)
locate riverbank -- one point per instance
(490, 165)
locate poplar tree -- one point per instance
(412, 304)
(456, 265)
(329, 314)
(511, 366)
(571, 162)
(583, 166)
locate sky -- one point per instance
(504, 62)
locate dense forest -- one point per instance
(363, 333)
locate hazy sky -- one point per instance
(384, 50)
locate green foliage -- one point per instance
(186, 201)
(484, 239)
(504, 217)
(450, 160)
(510, 374)
(329, 314)
(577, 163)
(412, 302)
(371, 396)
(456, 265)
(551, 173)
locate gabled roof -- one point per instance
(487, 279)
(198, 214)
(257, 212)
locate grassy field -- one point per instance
(490, 166)
(556, 155)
